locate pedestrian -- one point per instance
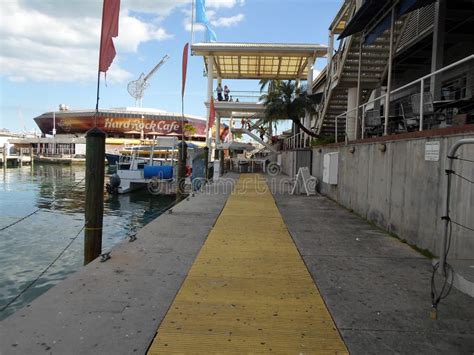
(262, 133)
(219, 92)
(231, 99)
(226, 93)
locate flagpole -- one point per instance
(192, 21)
(98, 68)
(182, 125)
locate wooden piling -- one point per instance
(5, 162)
(206, 163)
(221, 162)
(94, 209)
(182, 155)
(31, 155)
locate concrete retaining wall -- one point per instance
(400, 191)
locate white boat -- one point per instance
(134, 172)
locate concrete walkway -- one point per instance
(376, 287)
(248, 290)
(116, 306)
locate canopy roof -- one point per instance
(259, 60)
(374, 13)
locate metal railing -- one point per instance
(360, 111)
(298, 141)
(240, 96)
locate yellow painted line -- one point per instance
(248, 290)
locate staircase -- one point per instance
(255, 137)
(343, 73)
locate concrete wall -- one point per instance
(287, 162)
(401, 192)
(293, 160)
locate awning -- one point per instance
(259, 60)
(377, 14)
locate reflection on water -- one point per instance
(31, 245)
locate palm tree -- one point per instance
(288, 102)
(268, 84)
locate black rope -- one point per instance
(448, 270)
(463, 159)
(32, 213)
(461, 225)
(460, 176)
(21, 219)
(42, 272)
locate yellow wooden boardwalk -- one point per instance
(248, 290)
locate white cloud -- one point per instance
(223, 3)
(228, 21)
(51, 40)
(44, 40)
(215, 21)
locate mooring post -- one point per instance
(221, 162)
(182, 155)
(94, 211)
(31, 155)
(5, 162)
(206, 163)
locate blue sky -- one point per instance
(49, 50)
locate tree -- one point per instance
(189, 130)
(268, 84)
(288, 102)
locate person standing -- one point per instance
(226, 93)
(219, 92)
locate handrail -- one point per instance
(412, 83)
(297, 141)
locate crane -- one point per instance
(136, 88)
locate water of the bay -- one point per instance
(28, 247)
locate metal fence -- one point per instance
(241, 96)
(438, 99)
(298, 141)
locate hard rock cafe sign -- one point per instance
(112, 124)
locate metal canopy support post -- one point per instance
(309, 91)
(389, 74)
(358, 88)
(422, 84)
(330, 53)
(437, 51)
(210, 89)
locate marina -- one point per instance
(305, 191)
(57, 192)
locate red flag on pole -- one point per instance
(212, 113)
(110, 20)
(185, 66)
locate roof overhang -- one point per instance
(375, 13)
(259, 60)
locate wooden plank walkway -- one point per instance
(248, 290)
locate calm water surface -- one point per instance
(30, 246)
